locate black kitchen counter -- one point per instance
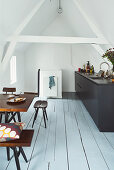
(102, 81)
(98, 97)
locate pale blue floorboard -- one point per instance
(76, 156)
(71, 140)
(104, 145)
(50, 148)
(110, 137)
(60, 146)
(38, 159)
(94, 156)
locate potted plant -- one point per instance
(109, 54)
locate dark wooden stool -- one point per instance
(40, 105)
(9, 89)
(25, 140)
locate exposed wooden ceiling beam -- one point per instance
(19, 29)
(56, 39)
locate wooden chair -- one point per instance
(40, 105)
(24, 141)
(7, 90)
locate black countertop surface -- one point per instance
(102, 81)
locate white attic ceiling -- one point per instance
(14, 11)
(76, 20)
(42, 19)
(102, 14)
(70, 13)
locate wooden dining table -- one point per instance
(14, 109)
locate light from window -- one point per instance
(13, 69)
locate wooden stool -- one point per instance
(24, 140)
(9, 89)
(40, 105)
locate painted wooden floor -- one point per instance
(70, 142)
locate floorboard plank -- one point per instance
(38, 160)
(93, 153)
(60, 148)
(103, 144)
(50, 149)
(71, 140)
(75, 154)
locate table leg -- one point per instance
(19, 116)
(23, 154)
(6, 117)
(16, 158)
(8, 153)
(0, 117)
(11, 118)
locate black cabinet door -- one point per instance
(88, 93)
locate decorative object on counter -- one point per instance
(100, 73)
(109, 54)
(107, 73)
(84, 68)
(88, 67)
(79, 69)
(92, 70)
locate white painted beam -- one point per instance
(19, 29)
(91, 24)
(56, 39)
(29, 17)
(98, 48)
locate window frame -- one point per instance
(13, 75)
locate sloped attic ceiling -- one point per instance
(70, 13)
(42, 19)
(14, 11)
(102, 14)
(15, 18)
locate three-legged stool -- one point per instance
(40, 105)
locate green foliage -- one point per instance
(109, 54)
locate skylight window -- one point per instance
(13, 70)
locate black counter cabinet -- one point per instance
(98, 98)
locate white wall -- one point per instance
(58, 56)
(46, 57)
(5, 77)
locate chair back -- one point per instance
(7, 89)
